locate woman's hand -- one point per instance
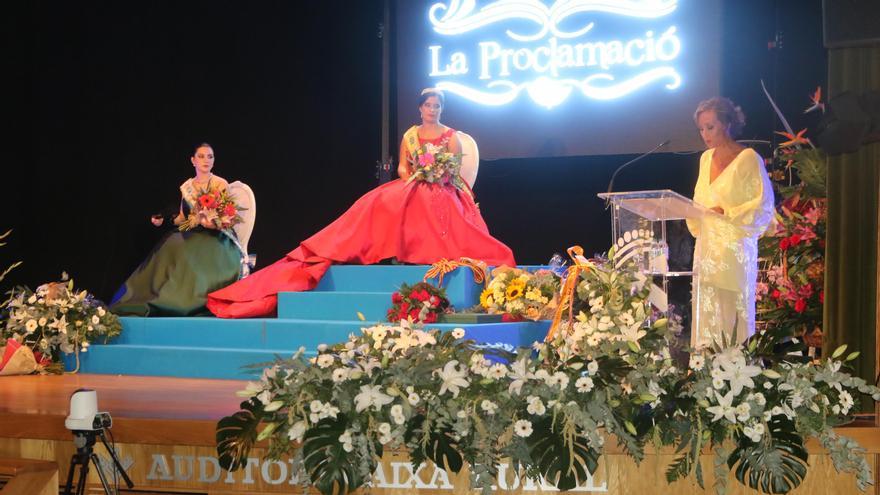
(157, 220)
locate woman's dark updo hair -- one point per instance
(726, 112)
(429, 92)
(203, 144)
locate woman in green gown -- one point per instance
(184, 266)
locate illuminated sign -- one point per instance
(549, 52)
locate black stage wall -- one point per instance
(106, 98)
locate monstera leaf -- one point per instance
(331, 469)
(775, 466)
(566, 464)
(236, 434)
(440, 448)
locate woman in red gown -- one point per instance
(412, 221)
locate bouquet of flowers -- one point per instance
(520, 294)
(57, 319)
(789, 293)
(213, 209)
(419, 303)
(435, 165)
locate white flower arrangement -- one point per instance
(56, 319)
(610, 373)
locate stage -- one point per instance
(164, 432)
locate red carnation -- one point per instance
(230, 210)
(404, 308)
(430, 317)
(794, 240)
(800, 305)
(783, 244)
(396, 298)
(424, 295)
(414, 314)
(776, 294)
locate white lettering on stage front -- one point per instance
(551, 62)
(391, 475)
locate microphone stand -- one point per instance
(614, 175)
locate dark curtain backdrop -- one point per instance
(106, 98)
(851, 251)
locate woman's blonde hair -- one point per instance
(726, 111)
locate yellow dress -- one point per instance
(726, 252)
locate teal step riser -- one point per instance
(284, 334)
(182, 360)
(460, 288)
(334, 305)
(194, 363)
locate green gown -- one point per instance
(181, 270)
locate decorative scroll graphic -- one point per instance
(459, 17)
(543, 58)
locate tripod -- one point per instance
(85, 441)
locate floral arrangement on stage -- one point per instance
(790, 293)
(418, 303)
(56, 318)
(213, 209)
(435, 165)
(608, 373)
(520, 294)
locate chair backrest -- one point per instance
(244, 197)
(470, 159)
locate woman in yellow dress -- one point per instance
(734, 184)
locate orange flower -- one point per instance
(793, 140)
(816, 101)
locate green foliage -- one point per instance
(561, 455)
(776, 465)
(237, 434)
(328, 464)
(434, 443)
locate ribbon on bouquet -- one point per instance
(566, 298)
(444, 266)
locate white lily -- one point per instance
(724, 409)
(371, 395)
(453, 378)
(520, 374)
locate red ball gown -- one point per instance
(414, 222)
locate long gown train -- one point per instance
(414, 222)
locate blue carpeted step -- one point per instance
(461, 290)
(282, 333)
(179, 361)
(334, 305)
(213, 348)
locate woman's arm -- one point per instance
(403, 170)
(454, 143)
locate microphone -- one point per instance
(614, 175)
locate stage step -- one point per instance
(215, 348)
(461, 290)
(333, 305)
(220, 348)
(177, 361)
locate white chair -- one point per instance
(244, 197)
(470, 158)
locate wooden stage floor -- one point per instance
(144, 409)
